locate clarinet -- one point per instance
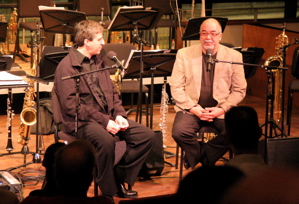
(10, 114)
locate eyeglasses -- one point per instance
(205, 34)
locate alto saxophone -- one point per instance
(277, 83)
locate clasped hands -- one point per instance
(120, 124)
(207, 114)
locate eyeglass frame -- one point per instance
(212, 34)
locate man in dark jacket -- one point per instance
(101, 115)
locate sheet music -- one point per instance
(124, 8)
(137, 53)
(10, 79)
(41, 8)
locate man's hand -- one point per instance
(112, 127)
(211, 113)
(207, 114)
(122, 122)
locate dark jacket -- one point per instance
(91, 107)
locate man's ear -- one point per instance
(86, 42)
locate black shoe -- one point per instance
(124, 193)
(186, 162)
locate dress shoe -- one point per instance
(186, 162)
(126, 193)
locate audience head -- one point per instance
(207, 184)
(242, 129)
(50, 154)
(270, 186)
(73, 170)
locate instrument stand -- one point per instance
(25, 149)
(136, 18)
(10, 114)
(61, 21)
(269, 102)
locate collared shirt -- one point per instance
(206, 93)
(90, 65)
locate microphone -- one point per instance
(112, 56)
(209, 60)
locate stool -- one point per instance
(205, 134)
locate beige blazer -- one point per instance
(229, 86)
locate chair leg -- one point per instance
(289, 113)
(17, 49)
(177, 154)
(181, 165)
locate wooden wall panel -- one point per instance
(265, 37)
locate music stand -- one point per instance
(252, 55)
(193, 27)
(49, 63)
(134, 18)
(159, 65)
(60, 21)
(3, 31)
(131, 18)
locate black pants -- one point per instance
(184, 129)
(140, 141)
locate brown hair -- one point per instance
(86, 29)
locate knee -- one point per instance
(176, 133)
(105, 143)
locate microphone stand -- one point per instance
(77, 101)
(269, 100)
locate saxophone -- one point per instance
(28, 115)
(277, 75)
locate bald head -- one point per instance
(210, 34)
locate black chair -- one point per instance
(122, 51)
(293, 87)
(28, 9)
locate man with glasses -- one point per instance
(203, 91)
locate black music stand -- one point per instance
(251, 55)
(193, 27)
(132, 18)
(155, 65)
(60, 21)
(136, 18)
(3, 31)
(49, 63)
(159, 65)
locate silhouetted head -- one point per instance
(73, 170)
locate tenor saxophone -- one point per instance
(277, 84)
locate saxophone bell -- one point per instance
(28, 116)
